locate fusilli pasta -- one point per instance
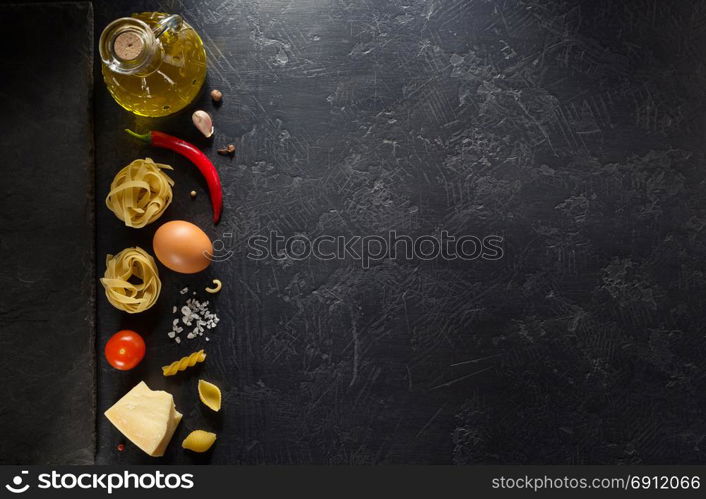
(183, 363)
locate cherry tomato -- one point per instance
(125, 349)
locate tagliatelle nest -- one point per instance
(140, 192)
(131, 280)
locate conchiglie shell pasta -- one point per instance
(210, 395)
(199, 441)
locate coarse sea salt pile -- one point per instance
(195, 316)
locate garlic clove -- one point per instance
(202, 120)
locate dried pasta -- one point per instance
(210, 395)
(183, 363)
(199, 441)
(120, 280)
(140, 192)
(217, 285)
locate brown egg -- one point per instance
(182, 247)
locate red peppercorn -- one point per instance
(121, 447)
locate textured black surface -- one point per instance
(572, 129)
(46, 235)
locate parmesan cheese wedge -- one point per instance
(146, 417)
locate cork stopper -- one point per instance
(128, 46)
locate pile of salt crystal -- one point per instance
(195, 315)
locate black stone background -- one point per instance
(573, 129)
(47, 273)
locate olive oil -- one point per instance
(154, 64)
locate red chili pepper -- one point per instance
(193, 154)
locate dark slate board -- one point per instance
(47, 275)
(572, 129)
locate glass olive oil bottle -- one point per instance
(154, 64)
